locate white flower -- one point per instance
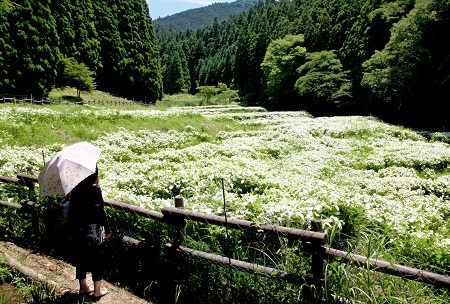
(292, 167)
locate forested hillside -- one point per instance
(112, 44)
(194, 19)
(389, 58)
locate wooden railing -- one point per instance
(23, 99)
(15, 99)
(313, 241)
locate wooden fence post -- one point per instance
(30, 185)
(32, 209)
(30, 206)
(179, 203)
(317, 266)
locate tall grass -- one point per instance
(67, 95)
(179, 100)
(183, 100)
(73, 123)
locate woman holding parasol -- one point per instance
(73, 172)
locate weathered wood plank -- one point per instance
(291, 233)
(388, 268)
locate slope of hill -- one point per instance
(200, 17)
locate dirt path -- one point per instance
(58, 274)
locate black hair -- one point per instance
(88, 181)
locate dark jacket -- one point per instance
(88, 206)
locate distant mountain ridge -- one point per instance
(196, 18)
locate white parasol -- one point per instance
(68, 168)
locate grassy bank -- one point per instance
(65, 124)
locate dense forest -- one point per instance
(103, 43)
(387, 58)
(196, 18)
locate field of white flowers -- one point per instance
(290, 169)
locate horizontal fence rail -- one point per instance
(312, 241)
(12, 205)
(249, 267)
(12, 180)
(21, 179)
(154, 215)
(392, 269)
(291, 233)
(273, 272)
(24, 99)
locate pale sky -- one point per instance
(164, 8)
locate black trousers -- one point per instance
(90, 258)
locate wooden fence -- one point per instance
(24, 99)
(313, 241)
(118, 102)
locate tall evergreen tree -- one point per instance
(62, 11)
(111, 46)
(247, 73)
(87, 44)
(131, 62)
(175, 72)
(6, 51)
(31, 51)
(250, 52)
(174, 76)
